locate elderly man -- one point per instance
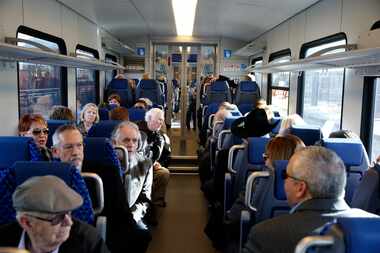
(44, 223)
(139, 174)
(154, 119)
(314, 184)
(68, 145)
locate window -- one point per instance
(278, 89)
(375, 149)
(40, 86)
(87, 79)
(110, 73)
(322, 89)
(257, 62)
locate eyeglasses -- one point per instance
(58, 219)
(72, 146)
(285, 175)
(133, 140)
(38, 131)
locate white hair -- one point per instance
(152, 113)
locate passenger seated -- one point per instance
(35, 126)
(138, 178)
(44, 222)
(289, 121)
(114, 100)
(88, 117)
(119, 113)
(143, 103)
(346, 134)
(314, 185)
(154, 120)
(62, 113)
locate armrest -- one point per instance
(230, 157)
(312, 241)
(248, 188)
(220, 138)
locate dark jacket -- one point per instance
(155, 141)
(83, 238)
(281, 234)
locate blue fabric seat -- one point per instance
(354, 157)
(120, 87)
(21, 171)
(217, 92)
(136, 114)
(345, 235)
(53, 125)
(103, 113)
(103, 128)
(17, 148)
(150, 89)
(246, 108)
(308, 134)
(247, 93)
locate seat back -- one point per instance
(136, 114)
(246, 108)
(354, 157)
(120, 84)
(150, 89)
(103, 128)
(103, 113)
(53, 125)
(217, 92)
(126, 98)
(21, 171)
(247, 93)
(17, 148)
(308, 134)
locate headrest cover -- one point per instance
(47, 194)
(349, 150)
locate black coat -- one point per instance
(83, 238)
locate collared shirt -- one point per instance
(21, 244)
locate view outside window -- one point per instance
(376, 123)
(280, 88)
(161, 61)
(40, 86)
(86, 82)
(258, 76)
(110, 74)
(208, 60)
(323, 93)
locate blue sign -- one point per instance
(243, 66)
(176, 58)
(227, 53)
(141, 51)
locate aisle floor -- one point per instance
(181, 223)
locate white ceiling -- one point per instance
(239, 19)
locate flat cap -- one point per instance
(46, 194)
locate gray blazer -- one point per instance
(138, 185)
(281, 234)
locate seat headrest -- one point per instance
(279, 167)
(244, 108)
(136, 114)
(228, 121)
(277, 121)
(25, 170)
(360, 234)
(103, 113)
(118, 84)
(308, 134)
(99, 151)
(256, 148)
(212, 108)
(17, 148)
(219, 86)
(103, 128)
(148, 84)
(248, 86)
(351, 151)
(236, 113)
(53, 124)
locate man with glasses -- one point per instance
(44, 222)
(315, 180)
(68, 145)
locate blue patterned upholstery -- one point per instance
(17, 148)
(120, 87)
(150, 89)
(247, 92)
(103, 114)
(217, 92)
(245, 108)
(21, 171)
(103, 128)
(118, 84)
(136, 114)
(308, 134)
(99, 151)
(53, 125)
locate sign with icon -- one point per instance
(227, 53)
(141, 51)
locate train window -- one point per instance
(110, 73)
(257, 62)
(87, 79)
(375, 119)
(278, 88)
(322, 89)
(40, 86)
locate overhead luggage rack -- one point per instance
(10, 52)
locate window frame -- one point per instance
(62, 50)
(114, 59)
(272, 57)
(95, 53)
(301, 76)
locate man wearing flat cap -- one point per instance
(44, 223)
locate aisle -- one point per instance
(181, 223)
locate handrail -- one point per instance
(230, 157)
(99, 190)
(220, 138)
(248, 187)
(310, 241)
